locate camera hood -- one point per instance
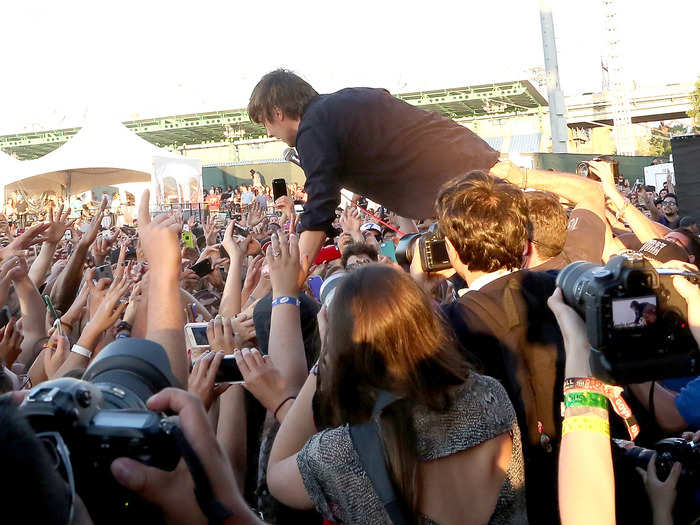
(138, 366)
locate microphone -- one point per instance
(291, 155)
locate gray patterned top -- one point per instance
(341, 491)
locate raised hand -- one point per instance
(94, 228)
(30, 237)
(159, 240)
(58, 225)
(210, 230)
(351, 220)
(235, 246)
(256, 213)
(220, 335)
(283, 259)
(111, 307)
(10, 342)
(285, 204)
(202, 378)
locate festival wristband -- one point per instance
(613, 393)
(285, 299)
(585, 424)
(82, 351)
(585, 399)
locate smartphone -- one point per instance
(201, 242)
(228, 371)
(130, 254)
(223, 253)
(4, 316)
(187, 239)
(315, 283)
(279, 189)
(202, 268)
(196, 336)
(389, 249)
(103, 272)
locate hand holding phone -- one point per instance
(202, 268)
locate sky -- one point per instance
(68, 62)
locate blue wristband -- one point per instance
(122, 335)
(285, 299)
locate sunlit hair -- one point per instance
(384, 334)
(280, 89)
(548, 220)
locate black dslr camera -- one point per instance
(103, 417)
(636, 321)
(431, 246)
(668, 452)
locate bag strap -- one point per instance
(368, 445)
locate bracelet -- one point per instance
(122, 335)
(613, 393)
(123, 326)
(281, 405)
(285, 299)
(82, 351)
(69, 326)
(585, 424)
(585, 399)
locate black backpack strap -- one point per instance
(368, 445)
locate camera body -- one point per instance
(104, 417)
(431, 247)
(635, 320)
(668, 452)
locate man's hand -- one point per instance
(55, 353)
(351, 220)
(235, 246)
(662, 494)
(210, 230)
(159, 240)
(58, 225)
(173, 491)
(286, 205)
(10, 342)
(256, 213)
(243, 328)
(30, 237)
(94, 228)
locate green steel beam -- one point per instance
(201, 128)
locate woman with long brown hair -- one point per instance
(451, 441)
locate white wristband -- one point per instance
(82, 351)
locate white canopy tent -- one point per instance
(100, 154)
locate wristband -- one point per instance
(122, 335)
(585, 424)
(82, 351)
(123, 326)
(613, 393)
(285, 299)
(585, 399)
(281, 405)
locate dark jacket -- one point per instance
(374, 144)
(508, 331)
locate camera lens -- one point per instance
(572, 280)
(404, 249)
(129, 371)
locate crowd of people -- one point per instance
(373, 391)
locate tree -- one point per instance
(694, 112)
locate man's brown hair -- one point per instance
(486, 221)
(280, 89)
(549, 222)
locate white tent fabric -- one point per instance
(100, 154)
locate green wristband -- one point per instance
(585, 399)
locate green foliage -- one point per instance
(694, 112)
(660, 143)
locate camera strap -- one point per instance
(211, 507)
(614, 395)
(368, 445)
